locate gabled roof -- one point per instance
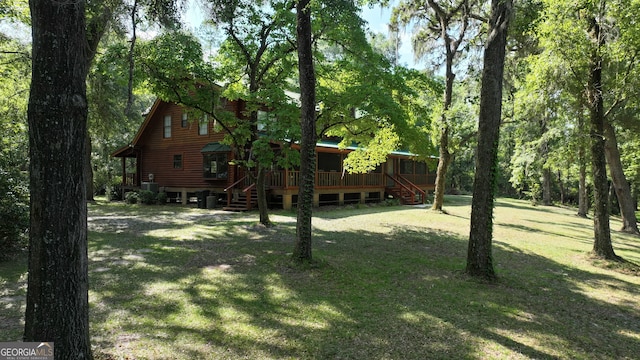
(146, 122)
(126, 150)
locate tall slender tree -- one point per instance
(302, 250)
(619, 180)
(602, 232)
(479, 253)
(448, 21)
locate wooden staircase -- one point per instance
(405, 191)
(406, 197)
(242, 201)
(241, 198)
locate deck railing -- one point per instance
(324, 179)
(130, 179)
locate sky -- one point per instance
(376, 17)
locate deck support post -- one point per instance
(287, 201)
(183, 197)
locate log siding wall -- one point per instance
(157, 152)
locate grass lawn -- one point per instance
(172, 282)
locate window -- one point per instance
(215, 166)
(264, 119)
(203, 128)
(406, 166)
(177, 161)
(167, 126)
(329, 162)
(184, 122)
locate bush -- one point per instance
(131, 197)
(161, 198)
(391, 202)
(113, 189)
(147, 197)
(14, 213)
(113, 193)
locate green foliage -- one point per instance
(16, 10)
(161, 198)
(365, 100)
(14, 186)
(550, 103)
(131, 197)
(109, 124)
(147, 197)
(14, 210)
(373, 153)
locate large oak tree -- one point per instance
(479, 254)
(64, 43)
(57, 296)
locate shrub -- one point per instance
(131, 197)
(14, 212)
(391, 202)
(147, 197)
(161, 198)
(113, 189)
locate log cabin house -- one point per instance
(186, 159)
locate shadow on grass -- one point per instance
(205, 285)
(227, 291)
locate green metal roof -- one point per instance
(354, 146)
(215, 147)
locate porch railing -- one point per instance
(325, 179)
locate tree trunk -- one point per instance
(546, 172)
(561, 186)
(88, 168)
(263, 204)
(479, 254)
(619, 180)
(602, 246)
(302, 250)
(441, 172)
(546, 186)
(57, 295)
(613, 207)
(445, 155)
(583, 196)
